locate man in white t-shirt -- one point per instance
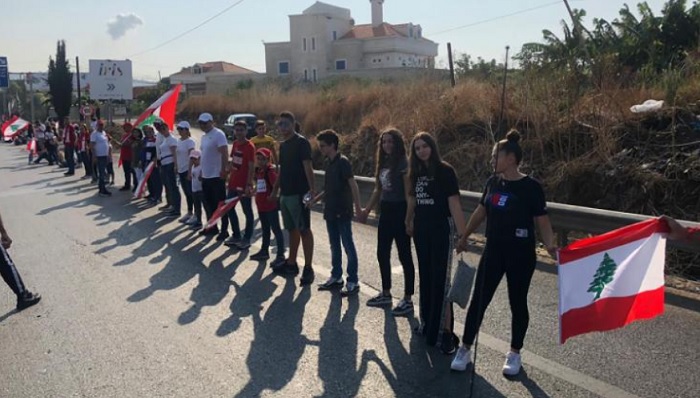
(215, 168)
(167, 154)
(99, 144)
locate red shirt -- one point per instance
(242, 154)
(70, 138)
(264, 186)
(126, 154)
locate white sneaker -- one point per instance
(512, 365)
(185, 218)
(462, 359)
(192, 220)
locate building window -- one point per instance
(315, 75)
(313, 44)
(410, 31)
(303, 45)
(335, 35)
(283, 68)
(306, 75)
(341, 64)
(197, 70)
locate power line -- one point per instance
(496, 18)
(222, 12)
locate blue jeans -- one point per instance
(102, 173)
(341, 231)
(247, 205)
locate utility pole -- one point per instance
(80, 98)
(452, 65)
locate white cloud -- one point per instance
(122, 23)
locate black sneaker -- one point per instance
(287, 269)
(105, 193)
(449, 343)
(27, 300)
(125, 188)
(307, 276)
(243, 244)
(331, 283)
(350, 289)
(280, 260)
(260, 256)
(68, 174)
(173, 214)
(380, 300)
(222, 236)
(209, 232)
(403, 308)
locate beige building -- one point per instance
(325, 41)
(196, 79)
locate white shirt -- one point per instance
(211, 158)
(99, 138)
(196, 175)
(183, 154)
(159, 142)
(165, 153)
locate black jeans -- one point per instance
(155, 184)
(69, 154)
(247, 205)
(197, 198)
(270, 220)
(432, 239)
(170, 182)
(214, 191)
(186, 186)
(87, 162)
(392, 229)
(129, 173)
(102, 173)
(515, 260)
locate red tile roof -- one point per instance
(368, 31)
(214, 67)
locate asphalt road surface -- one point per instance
(135, 305)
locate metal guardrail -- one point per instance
(565, 218)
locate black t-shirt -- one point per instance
(392, 183)
(511, 207)
(338, 198)
(432, 193)
(293, 153)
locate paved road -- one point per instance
(137, 306)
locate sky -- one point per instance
(131, 29)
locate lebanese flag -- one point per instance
(164, 107)
(12, 129)
(141, 188)
(222, 210)
(31, 146)
(611, 280)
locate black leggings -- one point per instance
(432, 239)
(392, 229)
(9, 273)
(186, 186)
(517, 262)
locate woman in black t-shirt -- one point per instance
(391, 180)
(511, 205)
(433, 203)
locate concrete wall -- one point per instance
(226, 84)
(274, 54)
(395, 73)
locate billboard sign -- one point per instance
(110, 80)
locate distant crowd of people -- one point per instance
(416, 194)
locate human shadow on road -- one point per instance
(279, 344)
(532, 387)
(337, 350)
(422, 371)
(249, 299)
(8, 314)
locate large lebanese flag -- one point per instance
(164, 108)
(13, 128)
(141, 187)
(611, 280)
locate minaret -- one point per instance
(377, 12)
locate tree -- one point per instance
(603, 276)
(60, 82)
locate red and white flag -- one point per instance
(222, 210)
(164, 108)
(141, 187)
(611, 280)
(12, 129)
(31, 146)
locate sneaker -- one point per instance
(124, 188)
(403, 308)
(379, 301)
(449, 343)
(222, 236)
(280, 260)
(85, 177)
(331, 283)
(192, 220)
(27, 300)
(166, 208)
(185, 218)
(105, 193)
(286, 269)
(172, 214)
(243, 244)
(462, 359)
(351, 289)
(512, 365)
(232, 241)
(197, 225)
(307, 276)
(260, 256)
(68, 174)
